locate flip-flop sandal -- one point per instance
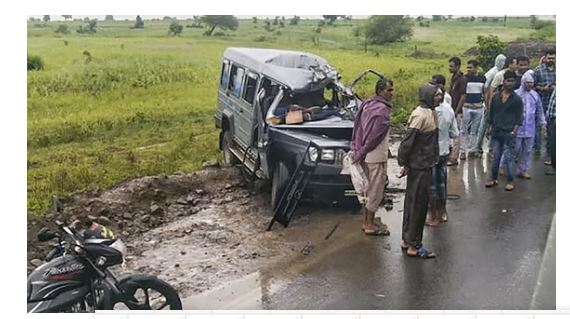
(377, 232)
(375, 225)
(509, 187)
(491, 183)
(547, 163)
(423, 253)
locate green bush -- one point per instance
(35, 63)
(489, 47)
(62, 28)
(387, 29)
(545, 33)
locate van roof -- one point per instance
(300, 71)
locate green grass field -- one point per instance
(127, 102)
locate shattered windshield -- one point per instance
(314, 105)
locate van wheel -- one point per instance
(228, 157)
(278, 183)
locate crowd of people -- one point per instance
(511, 105)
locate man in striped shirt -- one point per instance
(472, 109)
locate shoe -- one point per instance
(509, 187)
(462, 156)
(547, 163)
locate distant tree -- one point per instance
(167, 18)
(437, 18)
(386, 29)
(62, 28)
(68, 17)
(484, 19)
(139, 23)
(276, 21)
(489, 47)
(420, 18)
(254, 19)
(294, 20)
(505, 21)
(175, 28)
(109, 18)
(46, 18)
(321, 23)
(330, 19)
(450, 17)
(282, 24)
(267, 26)
(472, 19)
(90, 28)
(224, 22)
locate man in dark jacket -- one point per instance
(504, 118)
(418, 153)
(370, 146)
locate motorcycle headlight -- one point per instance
(313, 153)
(327, 155)
(120, 246)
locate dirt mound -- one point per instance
(531, 48)
(135, 206)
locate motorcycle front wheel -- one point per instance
(145, 292)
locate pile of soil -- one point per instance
(193, 230)
(531, 48)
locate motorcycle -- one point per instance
(78, 278)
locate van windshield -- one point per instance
(315, 106)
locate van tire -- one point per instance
(279, 183)
(228, 157)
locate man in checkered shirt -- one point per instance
(551, 142)
(545, 82)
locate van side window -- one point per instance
(236, 79)
(250, 86)
(224, 79)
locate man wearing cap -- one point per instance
(504, 118)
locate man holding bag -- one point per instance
(369, 148)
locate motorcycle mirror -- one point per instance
(46, 234)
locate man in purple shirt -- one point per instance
(370, 147)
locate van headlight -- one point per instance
(327, 155)
(313, 153)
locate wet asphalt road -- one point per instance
(487, 258)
